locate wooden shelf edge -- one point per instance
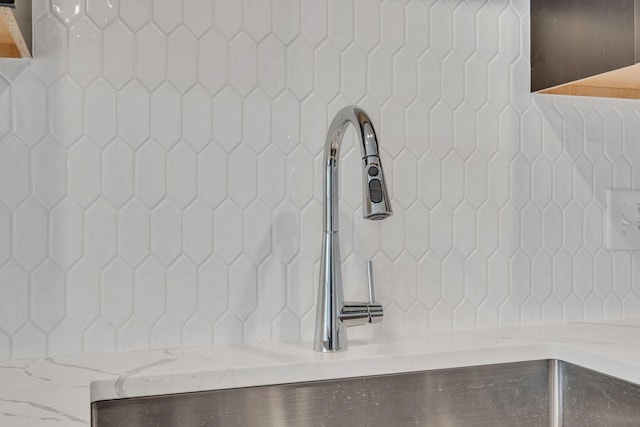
(8, 21)
(620, 83)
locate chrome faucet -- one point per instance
(333, 314)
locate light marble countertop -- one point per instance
(57, 391)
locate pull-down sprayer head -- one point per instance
(375, 197)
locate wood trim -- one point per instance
(9, 50)
(622, 83)
(10, 25)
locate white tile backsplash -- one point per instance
(161, 163)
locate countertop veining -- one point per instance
(57, 391)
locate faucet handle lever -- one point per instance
(370, 280)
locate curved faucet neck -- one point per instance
(368, 146)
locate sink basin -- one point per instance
(533, 393)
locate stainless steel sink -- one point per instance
(536, 393)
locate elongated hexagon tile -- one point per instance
(227, 17)
(475, 279)
(213, 298)
(100, 233)
(84, 52)
(227, 119)
(284, 19)
(151, 56)
(405, 179)
(392, 127)
(212, 175)
(182, 289)
(327, 70)
(257, 231)
(242, 176)
(167, 15)
(100, 112)
(166, 232)
(196, 118)
(285, 116)
(116, 293)
(198, 231)
(117, 173)
(181, 175)
(67, 10)
(14, 297)
(391, 238)
(83, 292)
(310, 226)
(380, 76)
(271, 65)
(476, 180)
(271, 286)
(313, 21)
(313, 123)
(117, 54)
(498, 277)
(405, 281)
(101, 12)
(133, 232)
(453, 179)
(30, 234)
(65, 100)
(417, 242)
(286, 235)
(181, 59)
(30, 109)
(212, 61)
(498, 180)
(300, 288)
(227, 227)
(150, 173)
(165, 115)
(243, 293)
(429, 179)
(133, 114)
(299, 67)
(66, 232)
(149, 291)
(256, 120)
(50, 48)
(135, 14)
(392, 25)
(299, 172)
(256, 18)
(83, 172)
(509, 229)
(49, 172)
(367, 24)
(353, 61)
(242, 63)
(198, 16)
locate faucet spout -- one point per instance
(333, 315)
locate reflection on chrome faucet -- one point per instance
(333, 315)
